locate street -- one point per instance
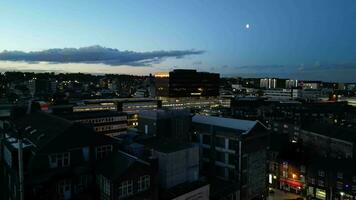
(281, 195)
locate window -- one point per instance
(232, 144)
(302, 169)
(220, 171)
(85, 151)
(353, 188)
(321, 183)
(321, 173)
(59, 160)
(143, 183)
(206, 153)
(232, 159)
(232, 174)
(220, 156)
(220, 142)
(206, 139)
(125, 189)
(312, 181)
(285, 165)
(83, 182)
(339, 175)
(64, 189)
(102, 151)
(339, 185)
(104, 185)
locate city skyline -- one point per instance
(290, 39)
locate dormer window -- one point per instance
(59, 160)
(103, 151)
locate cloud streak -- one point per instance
(96, 54)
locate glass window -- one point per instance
(125, 189)
(103, 151)
(339, 175)
(302, 169)
(143, 183)
(206, 152)
(321, 173)
(220, 156)
(64, 189)
(232, 159)
(220, 142)
(59, 160)
(220, 171)
(232, 144)
(321, 183)
(206, 139)
(339, 185)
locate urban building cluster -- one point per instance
(179, 135)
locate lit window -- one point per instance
(143, 183)
(59, 160)
(102, 151)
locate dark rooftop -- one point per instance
(90, 114)
(52, 133)
(165, 145)
(115, 165)
(330, 130)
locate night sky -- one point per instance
(304, 39)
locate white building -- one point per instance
(268, 83)
(291, 83)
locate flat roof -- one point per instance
(238, 124)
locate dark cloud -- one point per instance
(344, 72)
(96, 54)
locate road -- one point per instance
(281, 195)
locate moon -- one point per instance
(247, 26)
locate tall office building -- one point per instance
(187, 83)
(271, 83)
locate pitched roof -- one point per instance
(116, 164)
(165, 145)
(330, 130)
(51, 133)
(238, 124)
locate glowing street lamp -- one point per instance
(294, 176)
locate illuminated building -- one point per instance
(131, 106)
(109, 123)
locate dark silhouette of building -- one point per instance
(187, 83)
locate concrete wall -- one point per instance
(178, 167)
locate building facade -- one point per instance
(235, 151)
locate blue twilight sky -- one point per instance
(305, 39)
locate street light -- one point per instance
(294, 176)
